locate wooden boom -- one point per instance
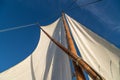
(79, 61)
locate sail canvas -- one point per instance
(96, 51)
(48, 62)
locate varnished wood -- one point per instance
(78, 70)
(80, 62)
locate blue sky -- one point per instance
(102, 17)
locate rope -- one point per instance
(18, 27)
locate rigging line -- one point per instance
(59, 5)
(52, 17)
(18, 27)
(48, 2)
(84, 5)
(57, 8)
(70, 5)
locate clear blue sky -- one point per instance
(102, 17)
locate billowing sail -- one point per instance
(97, 52)
(47, 62)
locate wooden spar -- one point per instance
(78, 71)
(81, 63)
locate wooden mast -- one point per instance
(78, 71)
(80, 62)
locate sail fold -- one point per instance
(96, 51)
(47, 62)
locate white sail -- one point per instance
(97, 52)
(47, 62)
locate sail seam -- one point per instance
(32, 69)
(119, 67)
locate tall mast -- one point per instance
(78, 70)
(80, 62)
